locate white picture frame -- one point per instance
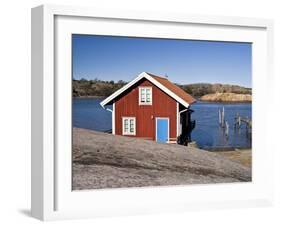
(52, 197)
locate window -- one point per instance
(145, 95)
(129, 125)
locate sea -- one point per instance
(208, 133)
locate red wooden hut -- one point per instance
(150, 107)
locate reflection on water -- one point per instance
(88, 114)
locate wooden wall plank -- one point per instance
(162, 106)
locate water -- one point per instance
(208, 134)
(88, 114)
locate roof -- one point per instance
(162, 83)
(174, 88)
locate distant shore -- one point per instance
(227, 97)
(205, 98)
(96, 88)
(87, 97)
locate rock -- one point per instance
(227, 97)
(102, 160)
(193, 144)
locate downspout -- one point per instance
(112, 116)
(182, 111)
(108, 109)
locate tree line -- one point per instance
(96, 87)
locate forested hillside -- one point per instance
(83, 88)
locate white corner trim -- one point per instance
(113, 119)
(149, 78)
(177, 115)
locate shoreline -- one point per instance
(244, 157)
(88, 97)
(197, 98)
(209, 149)
(226, 149)
(227, 97)
(224, 102)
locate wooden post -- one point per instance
(236, 120)
(226, 128)
(222, 118)
(239, 122)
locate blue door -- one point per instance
(162, 130)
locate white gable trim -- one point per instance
(152, 80)
(121, 90)
(169, 92)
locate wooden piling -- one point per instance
(223, 121)
(226, 128)
(220, 117)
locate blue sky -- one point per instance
(183, 61)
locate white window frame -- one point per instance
(129, 126)
(145, 87)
